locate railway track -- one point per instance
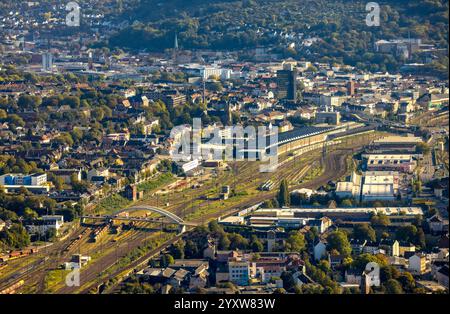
(244, 204)
(35, 272)
(92, 272)
(248, 176)
(105, 262)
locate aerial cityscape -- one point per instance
(224, 147)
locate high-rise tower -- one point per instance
(287, 83)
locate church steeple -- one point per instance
(175, 49)
(176, 42)
(229, 114)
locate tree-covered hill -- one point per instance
(239, 24)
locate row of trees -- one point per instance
(15, 237)
(193, 246)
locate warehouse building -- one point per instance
(350, 189)
(369, 187)
(266, 217)
(391, 162)
(379, 186)
(395, 145)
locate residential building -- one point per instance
(320, 250)
(35, 183)
(332, 117)
(100, 172)
(357, 245)
(41, 226)
(417, 263)
(436, 224)
(47, 62)
(405, 248)
(391, 247)
(66, 175)
(239, 271)
(322, 224)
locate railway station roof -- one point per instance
(302, 133)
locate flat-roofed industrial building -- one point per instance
(379, 185)
(395, 145)
(270, 216)
(390, 162)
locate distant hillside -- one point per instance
(238, 24)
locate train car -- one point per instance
(267, 186)
(3, 265)
(15, 255)
(23, 253)
(12, 289)
(99, 232)
(426, 202)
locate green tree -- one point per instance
(422, 148)
(280, 291)
(388, 272)
(72, 101)
(237, 241)
(360, 262)
(177, 250)
(30, 214)
(256, 245)
(407, 281)
(214, 227)
(295, 242)
(16, 121)
(15, 237)
(380, 220)
(8, 215)
(420, 238)
(392, 286)
(288, 281)
(364, 232)
(224, 242)
(283, 194)
(29, 102)
(50, 234)
(338, 241)
(324, 265)
(166, 260)
(407, 233)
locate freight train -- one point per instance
(17, 254)
(13, 288)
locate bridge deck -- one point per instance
(138, 219)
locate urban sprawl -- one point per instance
(89, 185)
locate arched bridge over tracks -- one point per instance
(169, 218)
